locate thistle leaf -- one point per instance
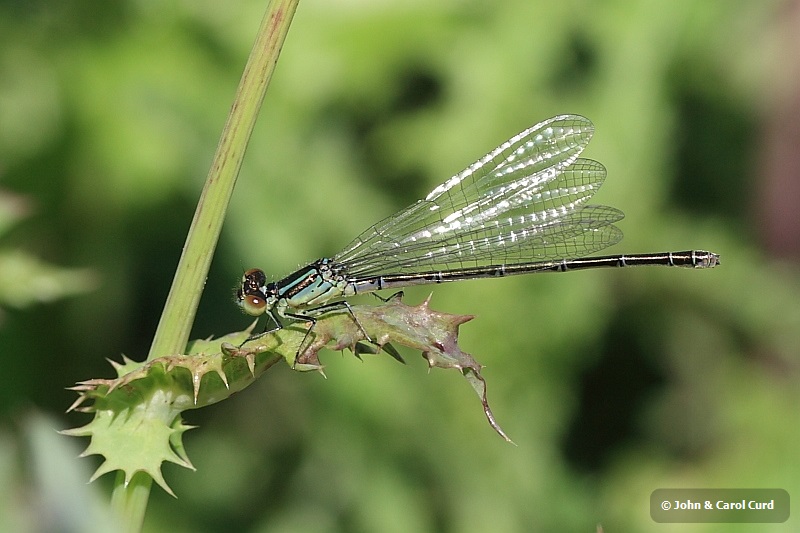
(137, 415)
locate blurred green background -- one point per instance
(612, 383)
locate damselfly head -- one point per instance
(253, 296)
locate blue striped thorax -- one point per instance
(308, 287)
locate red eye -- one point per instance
(253, 304)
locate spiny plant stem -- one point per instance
(176, 320)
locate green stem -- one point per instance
(130, 501)
(176, 320)
(184, 295)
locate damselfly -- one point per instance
(520, 209)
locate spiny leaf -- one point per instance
(419, 327)
(135, 441)
(137, 424)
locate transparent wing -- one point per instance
(522, 202)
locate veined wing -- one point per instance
(531, 218)
(518, 178)
(553, 224)
(579, 233)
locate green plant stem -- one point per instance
(176, 320)
(130, 501)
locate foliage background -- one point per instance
(612, 384)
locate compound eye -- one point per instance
(255, 277)
(253, 304)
